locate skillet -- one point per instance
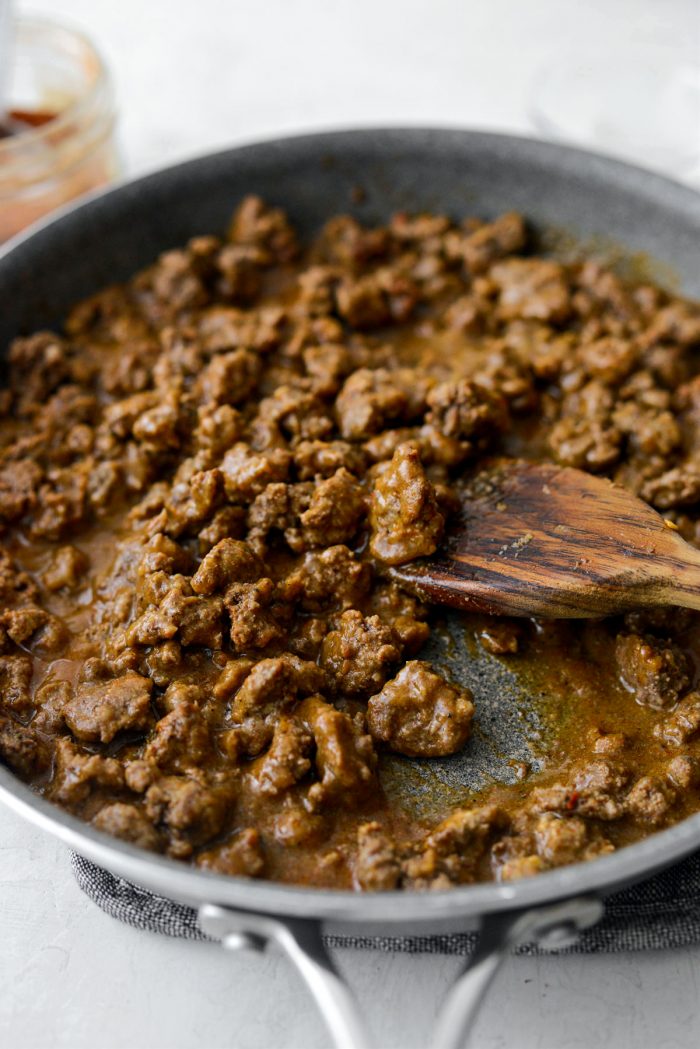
(112, 234)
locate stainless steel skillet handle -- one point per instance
(553, 926)
(301, 940)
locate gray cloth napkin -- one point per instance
(662, 912)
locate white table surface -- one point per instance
(198, 75)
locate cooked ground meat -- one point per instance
(98, 711)
(241, 855)
(68, 567)
(657, 673)
(205, 481)
(22, 749)
(404, 516)
(420, 714)
(129, 823)
(345, 758)
(188, 811)
(358, 654)
(376, 866)
(287, 759)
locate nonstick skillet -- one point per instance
(107, 238)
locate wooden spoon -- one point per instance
(544, 540)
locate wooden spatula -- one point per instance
(542, 540)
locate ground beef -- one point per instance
(466, 411)
(247, 473)
(550, 840)
(188, 811)
(657, 673)
(559, 841)
(324, 458)
(358, 654)
(454, 850)
(404, 516)
(650, 799)
(78, 774)
(420, 714)
(501, 638)
(181, 740)
(377, 866)
(22, 749)
(279, 509)
(335, 510)
(363, 302)
(242, 856)
(99, 711)
(345, 759)
(679, 486)
(67, 569)
(274, 683)
(683, 723)
(129, 823)
(15, 683)
(296, 826)
(369, 400)
(33, 629)
(205, 481)
(287, 760)
(533, 289)
(230, 561)
(595, 789)
(331, 579)
(19, 481)
(195, 620)
(487, 243)
(251, 611)
(255, 223)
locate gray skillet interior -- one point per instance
(312, 177)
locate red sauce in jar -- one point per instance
(16, 121)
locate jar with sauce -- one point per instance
(57, 137)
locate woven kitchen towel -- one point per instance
(662, 912)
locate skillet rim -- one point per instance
(191, 885)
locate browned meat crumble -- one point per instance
(204, 482)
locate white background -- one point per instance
(193, 76)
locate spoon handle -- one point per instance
(682, 586)
(673, 578)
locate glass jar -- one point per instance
(56, 73)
